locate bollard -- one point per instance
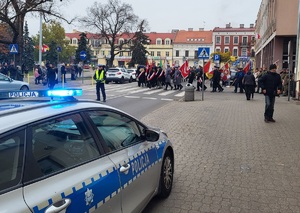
(189, 92)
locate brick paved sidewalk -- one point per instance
(227, 159)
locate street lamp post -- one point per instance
(40, 42)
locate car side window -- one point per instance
(61, 143)
(117, 130)
(11, 158)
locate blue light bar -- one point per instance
(64, 92)
(61, 93)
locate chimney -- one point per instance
(241, 25)
(201, 29)
(228, 25)
(190, 29)
(251, 25)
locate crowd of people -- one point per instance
(15, 72)
(157, 77)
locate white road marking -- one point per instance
(166, 93)
(132, 96)
(149, 98)
(179, 94)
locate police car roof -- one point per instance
(20, 111)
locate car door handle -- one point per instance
(124, 169)
(58, 206)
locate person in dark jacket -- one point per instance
(199, 78)
(51, 76)
(249, 84)
(271, 85)
(216, 80)
(63, 72)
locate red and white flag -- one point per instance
(45, 48)
(185, 70)
(206, 67)
(247, 67)
(257, 36)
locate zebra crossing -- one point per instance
(132, 91)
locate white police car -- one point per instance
(74, 155)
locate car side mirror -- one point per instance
(151, 135)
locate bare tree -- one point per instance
(13, 12)
(112, 20)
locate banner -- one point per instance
(184, 69)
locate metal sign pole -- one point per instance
(203, 80)
(82, 73)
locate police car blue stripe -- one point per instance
(143, 161)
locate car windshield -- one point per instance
(113, 70)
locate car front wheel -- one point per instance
(166, 175)
(24, 88)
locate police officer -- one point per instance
(99, 77)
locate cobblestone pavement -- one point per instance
(227, 159)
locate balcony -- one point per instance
(245, 44)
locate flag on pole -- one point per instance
(184, 69)
(45, 48)
(257, 36)
(206, 67)
(247, 67)
(160, 63)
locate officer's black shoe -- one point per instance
(272, 120)
(267, 120)
(104, 100)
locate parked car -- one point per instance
(118, 75)
(72, 155)
(232, 75)
(7, 83)
(132, 71)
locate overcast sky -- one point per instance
(165, 15)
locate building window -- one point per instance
(218, 40)
(196, 54)
(158, 42)
(218, 49)
(121, 41)
(235, 52)
(103, 52)
(121, 54)
(226, 49)
(186, 53)
(129, 53)
(167, 42)
(158, 53)
(167, 53)
(152, 53)
(74, 41)
(177, 53)
(244, 52)
(226, 40)
(245, 40)
(235, 39)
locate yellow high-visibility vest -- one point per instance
(101, 76)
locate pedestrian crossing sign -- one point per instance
(13, 49)
(203, 52)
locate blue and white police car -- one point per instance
(69, 155)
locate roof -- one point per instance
(77, 35)
(233, 29)
(193, 37)
(153, 36)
